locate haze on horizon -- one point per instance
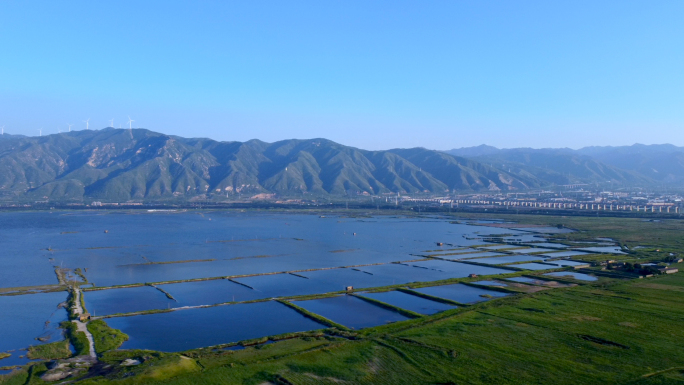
(374, 75)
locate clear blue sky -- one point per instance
(372, 74)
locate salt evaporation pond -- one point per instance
(209, 292)
(543, 230)
(193, 328)
(457, 269)
(547, 244)
(460, 293)
(451, 251)
(561, 254)
(568, 274)
(604, 249)
(400, 273)
(499, 247)
(351, 312)
(491, 283)
(530, 250)
(125, 300)
(24, 319)
(506, 259)
(339, 279)
(410, 302)
(138, 245)
(533, 266)
(563, 262)
(471, 255)
(531, 281)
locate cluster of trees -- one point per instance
(634, 268)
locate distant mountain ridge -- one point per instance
(122, 164)
(637, 164)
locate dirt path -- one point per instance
(78, 310)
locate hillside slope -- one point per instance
(120, 164)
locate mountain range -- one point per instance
(123, 165)
(637, 165)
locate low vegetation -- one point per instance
(404, 312)
(105, 337)
(78, 339)
(51, 351)
(318, 318)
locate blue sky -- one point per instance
(371, 74)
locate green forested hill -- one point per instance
(120, 165)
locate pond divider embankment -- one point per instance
(431, 297)
(166, 293)
(384, 305)
(318, 318)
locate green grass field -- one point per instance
(616, 332)
(105, 337)
(51, 351)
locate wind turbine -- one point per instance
(86, 122)
(40, 130)
(3, 130)
(111, 123)
(129, 123)
(69, 126)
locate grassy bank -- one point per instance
(106, 338)
(404, 312)
(603, 333)
(318, 318)
(78, 339)
(51, 351)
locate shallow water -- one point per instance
(339, 279)
(506, 259)
(138, 246)
(566, 263)
(460, 293)
(561, 254)
(209, 292)
(527, 280)
(472, 255)
(578, 276)
(24, 319)
(400, 273)
(605, 249)
(530, 250)
(491, 283)
(547, 244)
(544, 230)
(447, 251)
(282, 285)
(410, 302)
(192, 328)
(533, 266)
(457, 269)
(499, 247)
(125, 300)
(350, 311)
